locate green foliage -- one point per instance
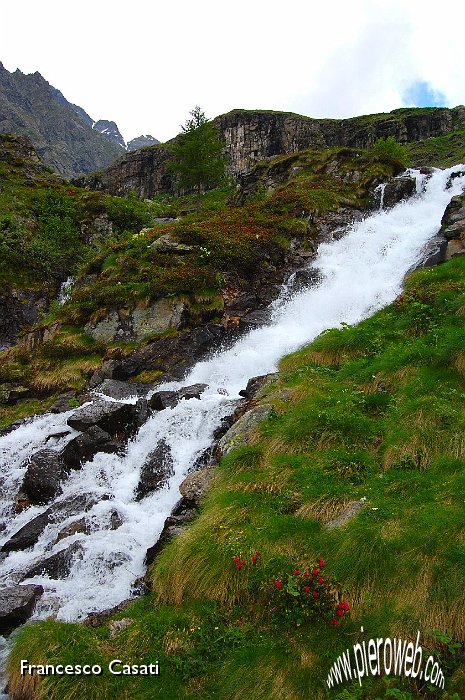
(128, 213)
(391, 150)
(198, 160)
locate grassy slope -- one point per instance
(373, 411)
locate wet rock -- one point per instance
(57, 436)
(169, 399)
(195, 486)
(58, 565)
(45, 472)
(85, 446)
(255, 319)
(142, 413)
(28, 535)
(156, 471)
(171, 355)
(398, 189)
(241, 432)
(122, 390)
(256, 384)
(108, 415)
(79, 526)
(163, 399)
(16, 605)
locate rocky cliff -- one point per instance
(251, 136)
(60, 131)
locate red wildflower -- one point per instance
(340, 612)
(335, 622)
(305, 573)
(315, 594)
(321, 579)
(236, 560)
(344, 605)
(257, 554)
(296, 572)
(306, 589)
(278, 584)
(322, 563)
(254, 559)
(315, 572)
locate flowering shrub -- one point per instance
(308, 593)
(304, 594)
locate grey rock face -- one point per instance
(28, 534)
(45, 472)
(241, 432)
(18, 308)
(195, 486)
(156, 471)
(16, 605)
(140, 323)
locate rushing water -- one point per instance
(360, 273)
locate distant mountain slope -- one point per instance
(60, 131)
(142, 142)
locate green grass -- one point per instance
(375, 413)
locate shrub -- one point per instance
(391, 150)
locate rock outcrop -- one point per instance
(252, 136)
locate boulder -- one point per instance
(62, 404)
(108, 415)
(28, 535)
(255, 384)
(122, 390)
(195, 486)
(167, 244)
(255, 319)
(45, 472)
(85, 446)
(58, 565)
(140, 323)
(16, 605)
(182, 513)
(241, 432)
(398, 189)
(347, 514)
(156, 470)
(168, 399)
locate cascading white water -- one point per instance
(360, 273)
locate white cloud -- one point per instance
(146, 64)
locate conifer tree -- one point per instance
(198, 160)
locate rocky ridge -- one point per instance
(253, 136)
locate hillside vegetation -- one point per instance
(371, 414)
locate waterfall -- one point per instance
(359, 274)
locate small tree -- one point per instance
(199, 162)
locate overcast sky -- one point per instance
(146, 64)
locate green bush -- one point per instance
(391, 150)
(129, 213)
